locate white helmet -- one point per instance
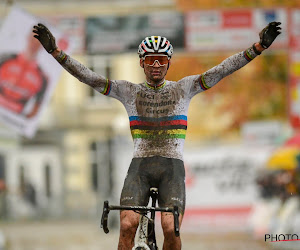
(155, 44)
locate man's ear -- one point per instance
(142, 63)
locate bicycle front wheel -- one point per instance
(141, 246)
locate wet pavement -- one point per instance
(78, 235)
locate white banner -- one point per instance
(231, 29)
(28, 74)
(220, 186)
(73, 26)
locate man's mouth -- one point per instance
(156, 73)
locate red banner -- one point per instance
(237, 19)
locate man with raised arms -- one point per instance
(157, 110)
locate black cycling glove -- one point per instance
(45, 37)
(269, 34)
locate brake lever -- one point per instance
(176, 221)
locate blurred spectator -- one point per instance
(267, 185)
(267, 206)
(280, 201)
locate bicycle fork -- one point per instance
(151, 230)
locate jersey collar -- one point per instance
(156, 86)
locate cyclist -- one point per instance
(157, 111)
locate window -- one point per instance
(94, 166)
(48, 181)
(2, 174)
(102, 66)
(100, 167)
(22, 178)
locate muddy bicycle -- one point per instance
(145, 238)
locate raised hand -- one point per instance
(45, 37)
(269, 34)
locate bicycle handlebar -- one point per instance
(107, 208)
(105, 217)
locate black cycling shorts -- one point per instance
(166, 174)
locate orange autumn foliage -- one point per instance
(258, 91)
(217, 4)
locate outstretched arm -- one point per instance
(235, 62)
(228, 66)
(75, 68)
(81, 72)
(198, 83)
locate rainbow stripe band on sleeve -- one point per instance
(248, 56)
(107, 88)
(168, 127)
(202, 83)
(62, 57)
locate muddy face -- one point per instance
(155, 73)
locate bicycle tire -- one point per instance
(142, 234)
(141, 246)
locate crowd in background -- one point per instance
(279, 183)
(278, 209)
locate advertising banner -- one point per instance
(115, 34)
(230, 29)
(28, 74)
(72, 27)
(220, 186)
(294, 69)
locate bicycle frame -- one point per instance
(146, 230)
(151, 225)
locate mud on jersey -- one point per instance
(158, 116)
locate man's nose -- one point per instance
(156, 64)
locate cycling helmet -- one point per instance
(155, 44)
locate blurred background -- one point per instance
(242, 150)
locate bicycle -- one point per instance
(145, 239)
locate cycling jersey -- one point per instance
(158, 116)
